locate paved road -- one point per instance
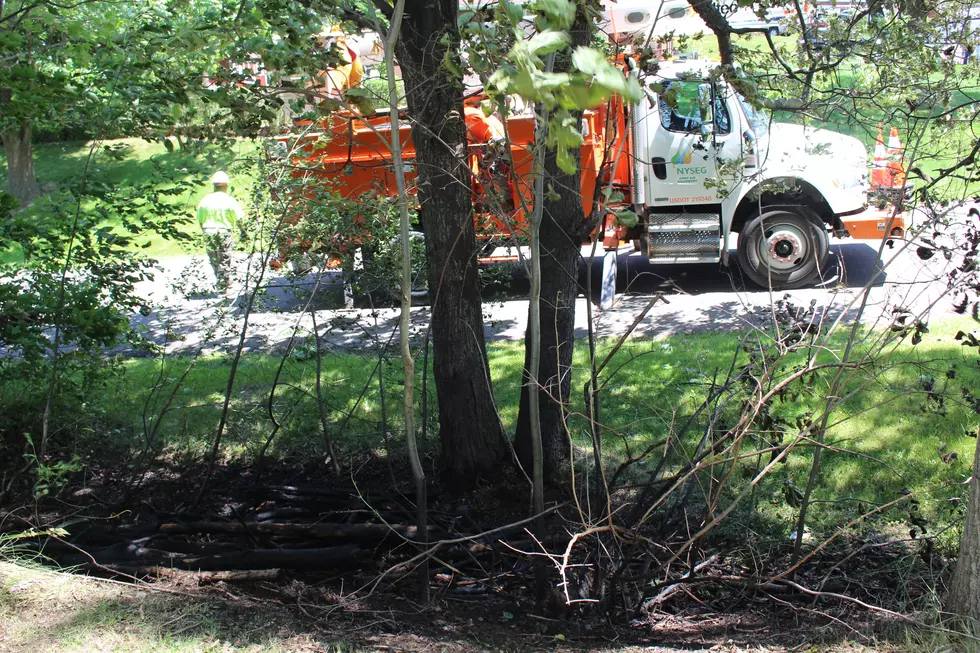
(698, 297)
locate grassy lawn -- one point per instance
(41, 610)
(132, 162)
(888, 438)
(940, 145)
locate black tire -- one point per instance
(773, 31)
(785, 247)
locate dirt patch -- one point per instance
(41, 610)
(294, 559)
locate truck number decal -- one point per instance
(687, 200)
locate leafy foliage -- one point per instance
(69, 294)
(323, 228)
(516, 66)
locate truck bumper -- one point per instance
(874, 224)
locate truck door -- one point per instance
(694, 135)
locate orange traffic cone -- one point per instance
(895, 168)
(879, 175)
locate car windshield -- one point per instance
(759, 120)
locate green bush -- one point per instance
(67, 291)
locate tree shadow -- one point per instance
(853, 265)
(68, 612)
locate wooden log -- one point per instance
(248, 576)
(357, 533)
(306, 559)
(324, 558)
(311, 503)
(288, 512)
(180, 545)
(199, 578)
(308, 491)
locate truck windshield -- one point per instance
(681, 110)
(758, 119)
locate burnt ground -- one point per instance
(317, 558)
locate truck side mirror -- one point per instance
(705, 93)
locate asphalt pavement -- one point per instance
(693, 298)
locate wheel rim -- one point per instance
(784, 247)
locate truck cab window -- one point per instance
(758, 119)
(680, 108)
(723, 124)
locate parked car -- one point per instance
(773, 24)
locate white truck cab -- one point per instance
(707, 164)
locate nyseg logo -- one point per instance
(687, 173)
(681, 158)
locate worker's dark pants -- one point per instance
(219, 246)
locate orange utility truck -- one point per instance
(693, 160)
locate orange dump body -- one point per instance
(351, 155)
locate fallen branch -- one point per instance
(306, 559)
(202, 578)
(247, 576)
(357, 533)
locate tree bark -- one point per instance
(21, 182)
(560, 254)
(708, 11)
(964, 595)
(473, 443)
(562, 231)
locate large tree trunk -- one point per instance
(21, 182)
(562, 230)
(473, 443)
(560, 255)
(964, 596)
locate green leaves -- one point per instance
(554, 14)
(588, 60)
(564, 137)
(627, 218)
(512, 11)
(548, 41)
(792, 494)
(612, 80)
(361, 98)
(516, 65)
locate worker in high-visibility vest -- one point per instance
(350, 71)
(219, 214)
(481, 128)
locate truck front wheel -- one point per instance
(784, 248)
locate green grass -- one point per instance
(929, 146)
(41, 610)
(890, 435)
(59, 164)
(890, 425)
(940, 146)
